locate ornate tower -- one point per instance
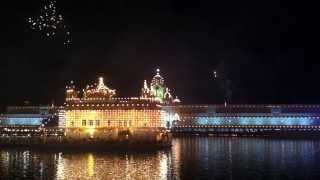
(157, 86)
(158, 90)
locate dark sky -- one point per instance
(265, 50)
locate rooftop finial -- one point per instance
(158, 71)
(101, 81)
(101, 84)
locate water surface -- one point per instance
(189, 158)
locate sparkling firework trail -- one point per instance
(50, 23)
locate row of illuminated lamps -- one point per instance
(119, 118)
(246, 114)
(110, 122)
(18, 126)
(112, 105)
(252, 117)
(133, 98)
(124, 117)
(104, 99)
(233, 126)
(116, 117)
(116, 111)
(29, 135)
(95, 90)
(6, 135)
(119, 124)
(149, 128)
(92, 93)
(250, 106)
(91, 122)
(111, 114)
(21, 130)
(129, 98)
(119, 115)
(30, 107)
(31, 130)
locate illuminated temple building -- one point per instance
(98, 113)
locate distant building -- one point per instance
(248, 119)
(29, 116)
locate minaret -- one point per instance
(145, 91)
(145, 85)
(167, 97)
(167, 94)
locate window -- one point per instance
(84, 123)
(91, 123)
(72, 123)
(97, 122)
(109, 123)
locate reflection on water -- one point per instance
(189, 158)
(109, 166)
(90, 165)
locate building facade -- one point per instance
(29, 116)
(98, 113)
(294, 118)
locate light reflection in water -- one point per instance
(90, 166)
(152, 165)
(189, 158)
(60, 166)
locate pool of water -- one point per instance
(189, 158)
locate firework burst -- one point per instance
(50, 23)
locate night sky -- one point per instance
(264, 51)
